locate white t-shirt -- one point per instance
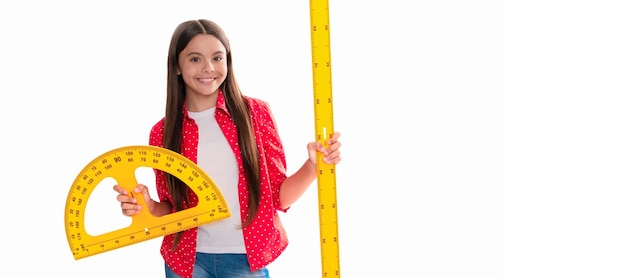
(216, 158)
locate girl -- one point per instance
(234, 139)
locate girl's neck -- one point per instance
(197, 103)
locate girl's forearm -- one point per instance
(295, 185)
(160, 208)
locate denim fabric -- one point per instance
(221, 266)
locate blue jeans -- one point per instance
(221, 266)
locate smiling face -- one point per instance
(204, 67)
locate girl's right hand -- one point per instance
(128, 202)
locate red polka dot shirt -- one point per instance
(265, 237)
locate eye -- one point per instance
(218, 58)
(195, 59)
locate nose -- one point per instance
(208, 67)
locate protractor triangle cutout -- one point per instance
(121, 165)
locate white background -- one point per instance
(481, 138)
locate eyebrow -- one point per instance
(200, 54)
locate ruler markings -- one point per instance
(323, 110)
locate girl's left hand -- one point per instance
(331, 152)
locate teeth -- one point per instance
(207, 79)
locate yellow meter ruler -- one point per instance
(323, 109)
(121, 164)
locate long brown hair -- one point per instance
(235, 102)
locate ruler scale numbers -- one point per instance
(323, 110)
(120, 164)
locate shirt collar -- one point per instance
(221, 102)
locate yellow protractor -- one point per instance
(121, 164)
(323, 109)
